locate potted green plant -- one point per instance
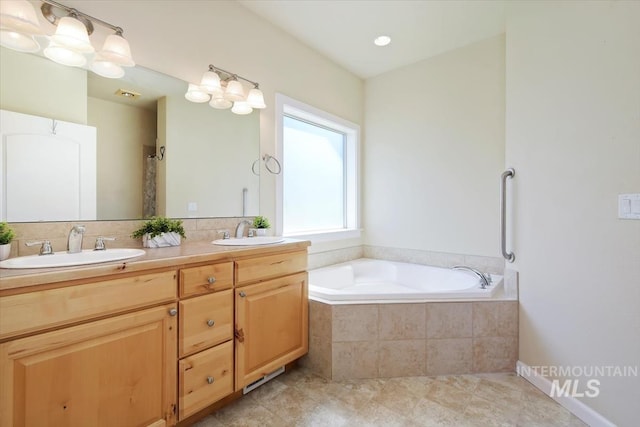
(6, 236)
(260, 225)
(160, 232)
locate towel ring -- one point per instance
(266, 159)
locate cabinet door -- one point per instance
(119, 371)
(271, 326)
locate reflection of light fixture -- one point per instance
(70, 44)
(382, 40)
(226, 91)
(18, 25)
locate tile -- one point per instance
(401, 358)
(318, 359)
(357, 359)
(320, 320)
(450, 397)
(449, 320)
(495, 319)
(401, 321)
(354, 322)
(300, 398)
(449, 356)
(323, 259)
(492, 265)
(495, 354)
(486, 413)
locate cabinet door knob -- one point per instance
(211, 280)
(242, 294)
(173, 311)
(210, 380)
(210, 322)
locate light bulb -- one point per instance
(105, 68)
(65, 56)
(211, 82)
(241, 107)
(196, 94)
(72, 33)
(255, 98)
(116, 49)
(19, 16)
(235, 91)
(218, 101)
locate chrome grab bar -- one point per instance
(509, 173)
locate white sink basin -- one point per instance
(249, 241)
(65, 259)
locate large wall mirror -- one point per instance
(156, 153)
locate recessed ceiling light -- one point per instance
(382, 40)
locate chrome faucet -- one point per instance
(240, 228)
(74, 243)
(485, 279)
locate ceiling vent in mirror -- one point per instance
(223, 89)
(70, 44)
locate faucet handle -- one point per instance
(225, 234)
(100, 246)
(45, 249)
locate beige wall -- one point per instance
(34, 85)
(123, 131)
(573, 136)
(434, 152)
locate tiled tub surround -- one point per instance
(57, 232)
(412, 339)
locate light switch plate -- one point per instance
(629, 206)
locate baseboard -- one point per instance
(573, 405)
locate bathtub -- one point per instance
(369, 280)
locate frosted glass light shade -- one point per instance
(211, 82)
(218, 101)
(116, 49)
(72, 34)
(196, 94)
(65, 56)
(106, 68)
(18, 41)
(255, 99)
(241, 107)
(19, 16)
(235, 91)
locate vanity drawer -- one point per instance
(205, 378)
(205, 321)
(206, 279)
(270, 266)
(38, 310)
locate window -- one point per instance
(317, 190)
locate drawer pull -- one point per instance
(173, 311)
(210, 322)
(242, 294)
(210, 380)
(211, 280)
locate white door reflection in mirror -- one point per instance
(47, 169)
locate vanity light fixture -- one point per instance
(223, 90)
(70, 44)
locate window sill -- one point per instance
(327, 236)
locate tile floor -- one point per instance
(300, 398)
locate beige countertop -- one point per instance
(15, 280)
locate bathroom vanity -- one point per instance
(151, 341)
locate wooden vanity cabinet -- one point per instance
(112, 372)
(271, 315)
(205, 366)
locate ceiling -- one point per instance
(343, 30)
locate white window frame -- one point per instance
(291, 107)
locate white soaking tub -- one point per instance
(371, 280)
